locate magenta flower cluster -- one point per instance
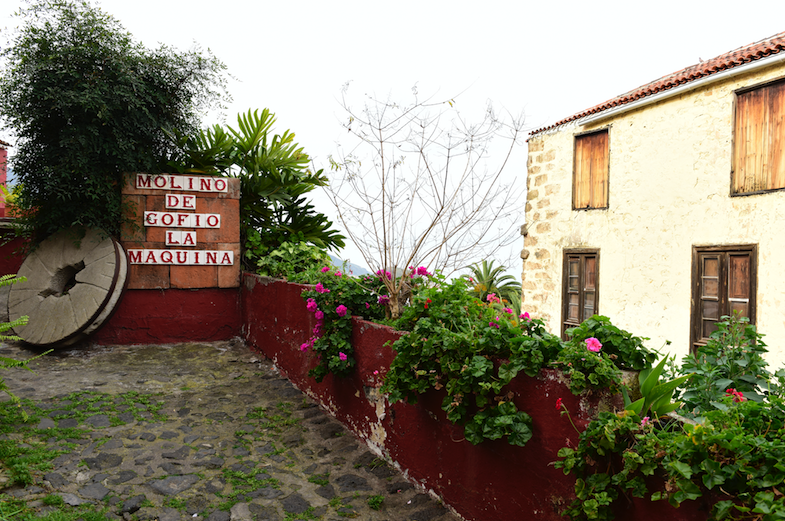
(420, 271)
(384, 274)
(313, 307)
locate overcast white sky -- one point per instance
(548, 59)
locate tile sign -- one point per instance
(172, 220)
(182, 231)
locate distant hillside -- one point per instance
(354, 269)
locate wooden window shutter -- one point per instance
(759, 140)
(581, 287)
(590, 181)
(723, 284)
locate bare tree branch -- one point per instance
(418, 186)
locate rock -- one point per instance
(133, 504)
(45, 423)
(265, 493)
(219, 515)
(104, 461)
(212, 463)
(181, 453)
(295, 504)
(55, 479)
(174, 484)
(94, 491)
(326, 491)
(241, 512)
(352, 482)
(73, 500)
(123, 476)
(99, 420)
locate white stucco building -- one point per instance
(664, 208)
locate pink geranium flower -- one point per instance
(311, 305)
(320, 289)
(524, 316)
(341, 310)
(594, 345)
(338, 274)
(492, 298)
(319, 315)
(342, 356)
(383, 299)
(325, 269)
(507, 310)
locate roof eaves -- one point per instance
(733, 59)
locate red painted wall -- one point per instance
(493, 481)
(11, 257)
(173, 315)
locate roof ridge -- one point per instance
(739, 56)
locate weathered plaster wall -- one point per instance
(669, 186)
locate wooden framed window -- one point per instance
(590, 171)
(759, 140)
(581, 286)
(723, 282)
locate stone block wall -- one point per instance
(540, 276)
(225, 238)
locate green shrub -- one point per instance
(732, 358)
(284, 262)
(457, 343)
(89, 103)
(626, 351)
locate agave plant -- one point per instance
(489, 279)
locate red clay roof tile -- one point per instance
(755, 51)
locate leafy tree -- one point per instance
(88, 103)
(274, 178)
(492, 279)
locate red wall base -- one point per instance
(492, 481)
(173, 315)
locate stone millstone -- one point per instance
(72, 288)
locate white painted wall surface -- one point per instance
(669, 186)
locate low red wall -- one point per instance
(172, 315)
(490, 481)
(11, 247)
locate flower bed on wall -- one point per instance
(490, 481)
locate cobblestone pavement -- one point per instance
(200, 431)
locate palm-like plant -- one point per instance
(492, 279)
(274, 177)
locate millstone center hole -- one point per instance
(63, 280)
